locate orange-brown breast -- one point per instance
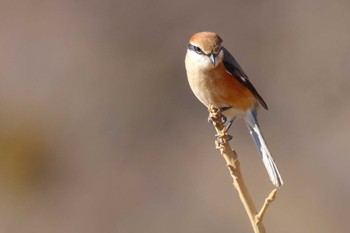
(228, 91)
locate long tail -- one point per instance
(254, 130)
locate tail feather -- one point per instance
(254, 130)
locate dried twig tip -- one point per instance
(268, 201)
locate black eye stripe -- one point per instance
(199, 51)
(191, 47)
(195, 48)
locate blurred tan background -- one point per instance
(99, 131)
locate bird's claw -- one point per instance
(222, 138)
(228, 124)
(223, 119)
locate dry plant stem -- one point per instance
(268, 201)
(233, 165)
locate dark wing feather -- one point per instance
(237, 72)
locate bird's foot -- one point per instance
(223, 119)
(222, 137)
(228, 124)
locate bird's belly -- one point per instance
(222, 91)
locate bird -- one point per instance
(216, 78)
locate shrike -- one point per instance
(216, 78)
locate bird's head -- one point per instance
(205, 49)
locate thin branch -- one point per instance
(233, 165)
(268, 201)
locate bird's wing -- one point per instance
(237, 72)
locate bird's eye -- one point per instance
(198, 50)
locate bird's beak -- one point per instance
(212, 58)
